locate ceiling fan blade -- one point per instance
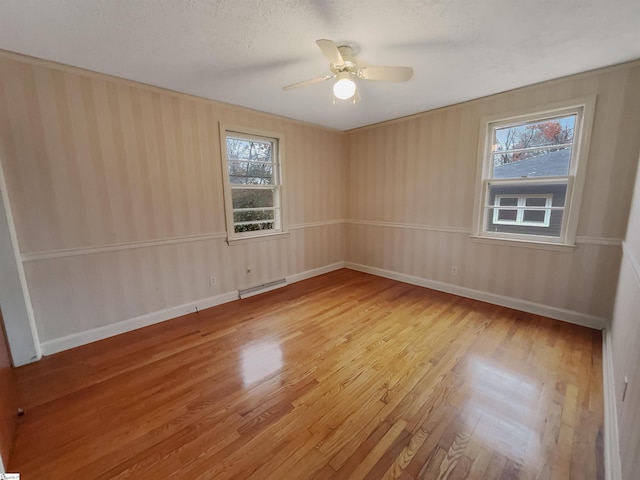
(330, 50)
(307, 82)
(388, 74)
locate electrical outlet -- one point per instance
(454, 270)
(212, 281)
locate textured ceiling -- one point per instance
(243, 51)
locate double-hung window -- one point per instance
(532, 175)
(252, 174)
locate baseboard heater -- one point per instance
(265, 287)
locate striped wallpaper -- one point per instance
(92, 162)
(411, 197)
(117, 197)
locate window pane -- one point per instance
(535, 201)
(508, 201)
(252, 220)
(536, 216)
(527, 193)
(534, 149)
(253, 173)
(252, 227)
(507, 215)
(553, 131)
(252, 198)
(250, 161)
(245, 149)
(533, 163)
(253, 216)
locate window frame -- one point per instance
(277, 139)
(584, 109)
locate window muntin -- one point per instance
(534, 155)
(253, 184)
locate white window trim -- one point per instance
(575, 180)
(520, 209)
(234, 238)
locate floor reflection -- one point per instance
(507, 403)
(260, 359)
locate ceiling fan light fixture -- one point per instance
(344, 88)
(345, 70)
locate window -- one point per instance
(532, 175)
(531, 210)
(252, 174)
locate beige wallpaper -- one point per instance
(116, 193)
(625, 338)
(411, 196)
(91, 161)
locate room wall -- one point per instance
(117, 197)
(411, 198)
(116, 192)
(625, 338)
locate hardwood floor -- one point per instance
(342, 376)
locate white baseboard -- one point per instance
(298, 277)
(88, 336)
(612, 465)
(570, 316)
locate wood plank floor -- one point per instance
(342, 376)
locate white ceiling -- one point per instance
(243, 51)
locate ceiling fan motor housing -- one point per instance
(350, 65)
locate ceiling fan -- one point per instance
(344, 66)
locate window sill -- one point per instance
(519, 243)
(257, 238)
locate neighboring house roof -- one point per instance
(545, 165)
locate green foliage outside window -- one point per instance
(250, 164)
